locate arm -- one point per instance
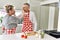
(19, 20)
(20, 17)
(3, 27)
(34, 22)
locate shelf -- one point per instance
(50, 3)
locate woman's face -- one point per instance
(12, 12)
(25, 7)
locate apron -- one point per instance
(27, 24)
(8, 31)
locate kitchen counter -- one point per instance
(17, 36)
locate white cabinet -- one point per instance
(50, 3)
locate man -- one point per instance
(29, 19)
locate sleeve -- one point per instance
(19, 21)
(34, 22)
(20, 18)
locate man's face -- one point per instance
(26, 7)
(12, 12)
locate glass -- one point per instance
(42, 34)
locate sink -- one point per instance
(53, 33)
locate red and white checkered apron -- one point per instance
(9, 31)
(27, 24)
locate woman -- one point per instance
(29, 20)
(10, 22)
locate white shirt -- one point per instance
(32, 18)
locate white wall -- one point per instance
(16, 3)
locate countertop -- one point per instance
(17, 36)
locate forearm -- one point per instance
(35, 27)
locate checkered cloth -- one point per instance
(27, 24)
(9, 31)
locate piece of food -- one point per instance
(25, 37)
(22, 36)
(31, 33)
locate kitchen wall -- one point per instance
(41, 12)
(16, 3)
(42, 15)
